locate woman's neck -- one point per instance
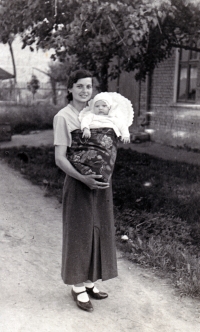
(77, 105)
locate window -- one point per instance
(187, 76)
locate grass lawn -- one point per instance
(156, 203)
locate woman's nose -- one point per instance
(84, 89)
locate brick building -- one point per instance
(169, 101)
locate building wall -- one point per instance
(170, 122)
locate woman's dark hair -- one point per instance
(73, 78)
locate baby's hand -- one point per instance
(126, 140)
(86, 133)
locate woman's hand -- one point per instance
(92, 182)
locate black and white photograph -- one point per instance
(100, 165)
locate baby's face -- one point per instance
(101, 108)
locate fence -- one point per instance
(19, 93)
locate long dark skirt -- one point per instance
(89, 251)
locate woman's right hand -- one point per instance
(92, 182)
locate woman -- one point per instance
(88, 252)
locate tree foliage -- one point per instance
(139, 33)
(60, 70)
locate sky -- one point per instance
(25, 61)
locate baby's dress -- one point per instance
(91, 121)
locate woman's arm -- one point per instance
(63, 163)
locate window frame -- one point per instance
(188, 64)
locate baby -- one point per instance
(103, 112)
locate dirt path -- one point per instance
(33, 297)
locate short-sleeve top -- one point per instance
(64, 122)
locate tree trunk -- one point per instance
(53, 86)
(104, 77)
(13, 61)
(118, 76)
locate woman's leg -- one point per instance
(91, 285)
(93, 291)
(81, 297)
(80, 288)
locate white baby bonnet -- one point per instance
(105, 96)
(121, 107)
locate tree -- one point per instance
(59, 73)
(24, 16)
(33, 85)
(139, 33)
(60, 70)
(10, 24)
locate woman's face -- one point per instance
(82, 90)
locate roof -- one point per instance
(4, 75)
